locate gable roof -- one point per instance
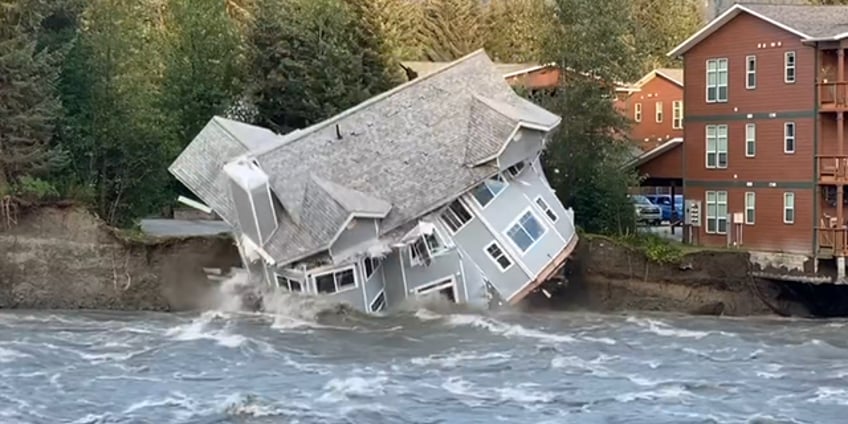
(810, 23)
(423, 68)
(674, 75)
(653, 153)
(397, 156)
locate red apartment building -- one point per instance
(764, 148)
(655, 105)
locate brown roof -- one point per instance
(673, 74)
(425, 68)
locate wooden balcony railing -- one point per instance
(833, 95)
(832, 241)
(832, 169)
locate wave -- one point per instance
(341, 389)
(666, 330)
(198, 329)
(507, 330)
(10, 355)
(473, 395)
(456, 359)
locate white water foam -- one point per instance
(10, 355)
(507, 330)
(673, 392)
(197, 330)
(474, 395)
(662, 329)
(830, 396)
(593, 366)
(456, 359)
(341, 389)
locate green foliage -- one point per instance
(660, 25)
(516, 30)
(394, 24)
(654, 247)
(30, 188)
(312, 59)
(450, 29)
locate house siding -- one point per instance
(442, 266)
(352, 296)
(666, 165)
(359, 231)
(649, 134)
(393, 276)
(528, 145)
(533, 184)
(771, 172)
(374, 285)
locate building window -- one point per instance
(677, 114)
(489, 189)
(716, 146)
(789, 68)
(445, 288)
(370, 265)
(750, 140)
(789, 137)
(289, 284)
(789, 208)
(526, 231)
(637, 112)
(750, 207)
(425, 248)
(456, 216)
(546, 209)
(516, 169)
(716, 80)
(335, 281)
(659, 112)
(496, 253)
(379, 302)
(751, 72)
(717, 212)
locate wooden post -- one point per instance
(840, 184)
(673, 208)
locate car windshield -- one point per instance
(640, 200)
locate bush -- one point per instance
(31, 188)
(654, 247)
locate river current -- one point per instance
(419, 366)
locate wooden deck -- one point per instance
(552, 268)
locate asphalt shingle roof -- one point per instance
(814, 21)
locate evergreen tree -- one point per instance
(29, 103)
(592, 40)
(660, 25)
(516, 30)
(450, 29)
(394, 24)
(311, 59)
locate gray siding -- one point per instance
(536, 186)
(442, 266)
(528, 146)
(393, 277)
(353, 297)
(361, 231)
(475, 281)
(264, 212)
(246, 221)
(373, 285)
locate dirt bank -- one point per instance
(605, 275)
(64, 258)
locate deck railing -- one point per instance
(835, 239)
(832, 168)
(833, 94)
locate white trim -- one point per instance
(345, 268)
(717, 217)
(717, 85)
(653, 74)
(261, 251)
(462, 274)
(194, 204)
(836, 37)
(364, 286)
(528, 70)
(503, 242)
(447, 208)
(533, 204)
(677, 105)
(402, 273)
(502, 178)
(748, 72)
(503, 252)
(752, 207)
(452, 283)
(719, 21)
(516, 220)
(637, 112)
(370, 306)
(518, 127)
(445, 248)
(717, 150)
(786, 137)
(547, 208)
(787, 67)
(658, 111)
(786, 207)
(751, 137)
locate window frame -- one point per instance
(749, 72)
(441, 248)
(677, 115)
(288, 283)
(715, 216)
(787, 138)
(376, 263)
(717, 151)
(338, 288)
(637, 112)
(515, 170)
(380, 296)
(498, 177)
(717, 69)
(452, 214)
(546, 209)
(658, 112)
(517, 222)
(502, 255)
(750, 205)
(750, 140)
(787, 207)
(790, 67)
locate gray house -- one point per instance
(434, 187)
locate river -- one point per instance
(419, 367)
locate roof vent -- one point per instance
(338, 132)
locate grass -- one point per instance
(656, 248)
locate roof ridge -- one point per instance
(375, 99)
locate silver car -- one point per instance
(646, 212)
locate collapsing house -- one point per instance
(434, 187)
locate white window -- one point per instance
(335, 281)
(789, 67)
(370, 265)
(445, 287)
(498, 256)
(379, 302)
(516, 169)
(717, 212)
(526, 231)
(289, 284)
(456, 216)
(751, 72)
(716, 146)
(489, 189)
(789, 208)
(716, 80)
(637, 112)
(789, 137)
(659, 111)
(677, 114)
(750, 140)
(425, 248)
(750, 207)
(543, 205)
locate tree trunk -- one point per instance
(4, 183)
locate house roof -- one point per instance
(674, 75)
(399, 155)
(654, 153)
(423, 68)
(810, 23)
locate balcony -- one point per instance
(832, 242)
(833, 96)
(833, 169)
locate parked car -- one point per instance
(664, 202)
(646, 212)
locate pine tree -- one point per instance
(311, 59)
(516, 30)
(29, 103)
(394, 23)
(660, 25)
(450, 29)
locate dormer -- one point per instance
(252, 200)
